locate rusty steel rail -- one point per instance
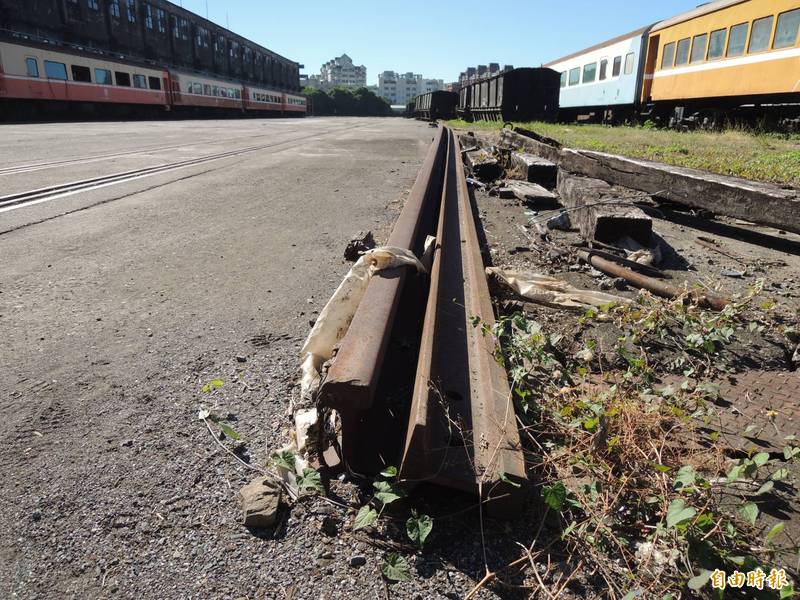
(462, 430)
(351, 382)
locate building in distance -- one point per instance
(399, 89)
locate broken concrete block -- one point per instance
(534, 169)
(605, 218)
(484, 166)
(260, 501)
(361, 243)
(532, 193)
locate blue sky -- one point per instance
(433, 37)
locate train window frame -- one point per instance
(795, 13)
(106, 79)
(49, 65)
(683, 48)
(589, 73)
(733, 30)
(630, 63)
(32, 66)
(81, 74)
(122, 78)
(616, 70)
(765, 42)
(668, 50)
(603, 72)
(139, 81)
(154, 83)
(206, 89)
(563, 80)
(694, 55)
(724, 32)
(574, 76)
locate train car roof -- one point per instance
(704, 9)
(620, 38)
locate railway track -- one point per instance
(55, 192)
(460, 430)
(29, 168)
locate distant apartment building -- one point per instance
(397, 88)
(341, 72)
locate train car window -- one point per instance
(140, 82)
(215, 91)
(629, 60)
(32, 66)
(55, 70)
(786, 31)
(206, 89)
(103, 77)
(589, 73)
(716, 47)
(737, 39)
(563, 81)
(123, 79)
(575, 76)
(155, 83)
(699, 47)
(82, 74)
(603, 69)
(762, 34)
(668, 58)
(617, 66)
(682, 55)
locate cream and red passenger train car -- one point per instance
(263, 101)
(197, 91)
(294, 106)
(726, 54)
(34, 76)
(39, 73)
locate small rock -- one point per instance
(36, 516)
(561, 221)
(358, 560)
(621, 284)
(328, 527)
(796, 357)
(241, 359)
(360, 243)
(733, 274)
(260, 500)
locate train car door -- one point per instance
(166, 83)
(649, 69)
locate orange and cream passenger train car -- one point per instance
(726, 55)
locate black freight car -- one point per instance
(436, 105)
(516, 95)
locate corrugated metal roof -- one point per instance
(701, 10)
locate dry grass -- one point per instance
(757, 156)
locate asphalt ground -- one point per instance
(118, 303)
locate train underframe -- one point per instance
(23, 111)
(770, 113)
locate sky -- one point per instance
(437, 38)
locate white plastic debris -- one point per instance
(335, 318)
(304, 422)
(549, 291)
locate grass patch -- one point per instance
(758, 156)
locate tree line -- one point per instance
(344, 102)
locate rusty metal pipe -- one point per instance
(656, 286)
